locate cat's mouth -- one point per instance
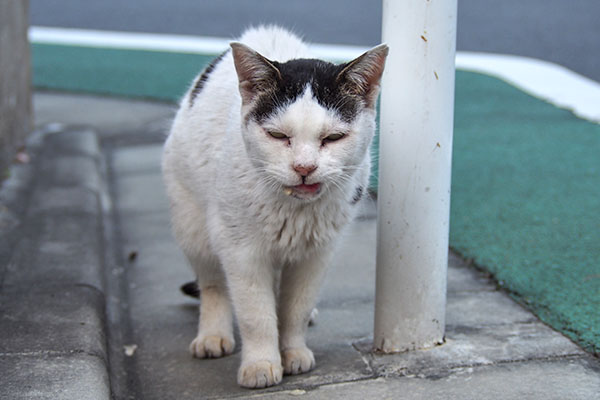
(303, 191)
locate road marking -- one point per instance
(548, 81)
(163, 42)
(127, 40)
(545, 80)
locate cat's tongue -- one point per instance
(314, 188)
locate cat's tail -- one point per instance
(191, 289)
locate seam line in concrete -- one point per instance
(123, 380)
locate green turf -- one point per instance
(149, 74)
(526, 201)
(525, 179)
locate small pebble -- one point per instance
(130, 349)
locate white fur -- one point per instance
(248, 241)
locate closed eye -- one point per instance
(277, 135)
(332, 138)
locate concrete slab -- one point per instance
(59, 240)
(73, 141)
(464, 278)
(563, 379)
(73, 199)
(69, 170)
(53, 377)
(58, 320)
(485, 327)
(488, 346)
(109, 116)
(57, 248)
(164, 321)
(131, 188)
(52, 325)
(137, 159)
(494, 348)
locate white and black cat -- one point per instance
(265, 161)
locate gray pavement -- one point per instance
(90, 270)
(52, 320)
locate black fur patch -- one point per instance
(322, 78)
(191, 289)
(204, 77)
(357, 195)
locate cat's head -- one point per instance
(307, 124)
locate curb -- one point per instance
(53, 332)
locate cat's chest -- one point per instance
(293, 232)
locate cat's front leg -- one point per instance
(250, 279)
(300, 283)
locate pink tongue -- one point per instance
(309, 188)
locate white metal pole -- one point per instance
(417, 108)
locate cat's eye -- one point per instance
(333, 137)
(277, 135)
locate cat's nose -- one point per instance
(304, 170)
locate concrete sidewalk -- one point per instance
(91, 307)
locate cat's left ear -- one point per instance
(256, 74)
(362, 75)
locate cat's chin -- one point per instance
(303, 191)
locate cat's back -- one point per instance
(275, 43)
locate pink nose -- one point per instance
(304, 170)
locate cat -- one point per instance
(265, 161)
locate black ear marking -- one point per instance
(362, 75)
(255, 73)
(346, 88)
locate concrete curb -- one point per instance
(53, 339)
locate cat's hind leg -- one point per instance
(215, 328)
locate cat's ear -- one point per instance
(362, 75)
(255, 73)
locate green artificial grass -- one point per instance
(526, 201)
(525, 179)
(135, 73)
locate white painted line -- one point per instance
(128, 40)
(551, 82)
(545, 80)
(163, 42)
(336, 52)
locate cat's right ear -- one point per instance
(255, 73)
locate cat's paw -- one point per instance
(212, 346)
(297, 360)
(260, 374)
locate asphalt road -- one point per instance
(566, 32)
